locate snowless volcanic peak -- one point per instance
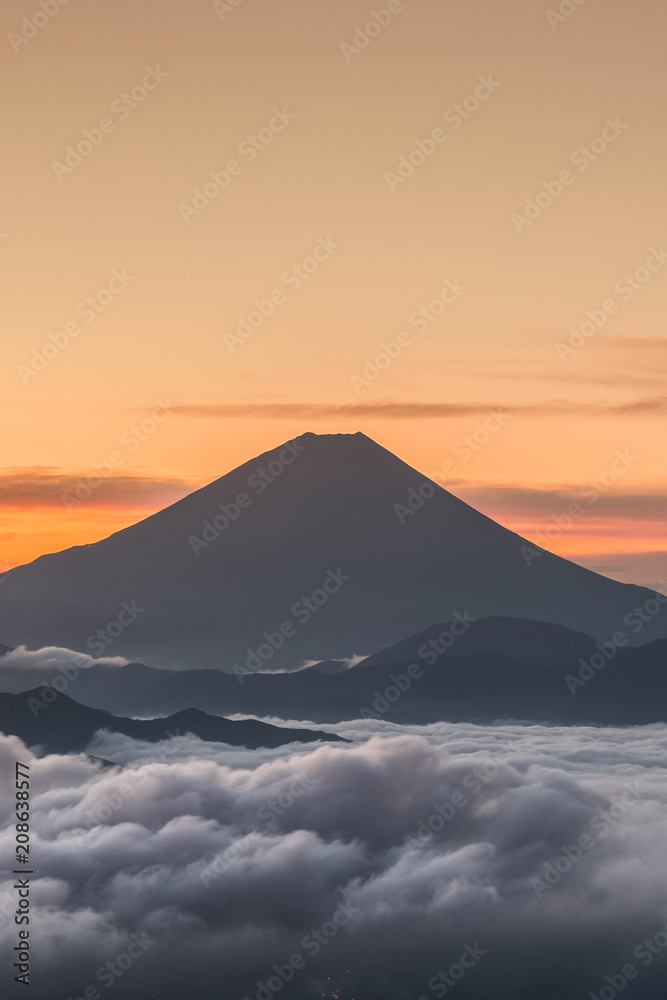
(327, 546)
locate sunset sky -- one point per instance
(361, 156)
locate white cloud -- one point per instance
(54, 658)
(122, 851)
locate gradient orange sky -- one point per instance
(329, 177)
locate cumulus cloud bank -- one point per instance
(501, 861)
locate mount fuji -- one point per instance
(323, 548)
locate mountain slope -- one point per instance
(318, 537)
(65, 726)
(541, 643)
(500, 668)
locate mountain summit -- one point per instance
(327, 546)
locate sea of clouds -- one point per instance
(505, 861)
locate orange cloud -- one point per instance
(46, 487)
(412, 410)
